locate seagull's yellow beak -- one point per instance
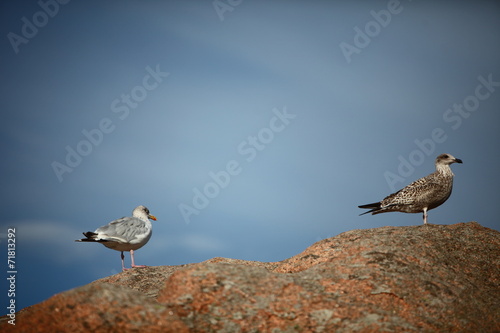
(152, 217)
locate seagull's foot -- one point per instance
(133, 266)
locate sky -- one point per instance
(250, 129)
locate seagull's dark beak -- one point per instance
(152, 217)
(458, 160)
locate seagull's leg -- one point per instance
(123, 261)
(132, 259)
(425, 215)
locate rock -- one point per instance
(424, 278)
(97, 308)
(150, 280)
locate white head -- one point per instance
(443, 162)
(447, 159)
(141, 212)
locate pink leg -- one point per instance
(425, 215)
(132, 259)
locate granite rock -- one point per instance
(424, 278)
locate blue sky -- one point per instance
(301, 110)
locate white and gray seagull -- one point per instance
(423, 194)
(124, 234)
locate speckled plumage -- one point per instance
(423, 194)
(124, 234)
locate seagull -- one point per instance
(423, 194)
(124, 234)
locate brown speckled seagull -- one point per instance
(423, 194)
(124, 234)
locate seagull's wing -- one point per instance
(423, 189)
(123, 230)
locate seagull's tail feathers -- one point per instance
(374, 207)
(91, 237)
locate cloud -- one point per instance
(200, 243)
(50, 239)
